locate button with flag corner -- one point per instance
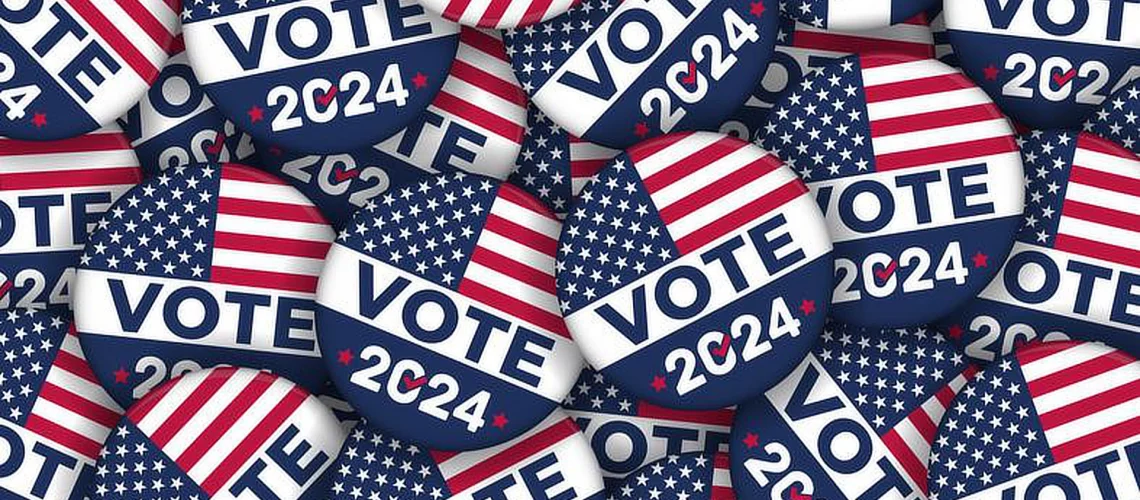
(69, 67)
(1118, 118)
(317, 76)
(51, 194)
(175, 124)
(199, 266)
(1073, 270)
(695, 270)
(692, 476)
(918, 175)
(54, 416)
(854, 419)
(627, 433)
(616, 73)
(222, 432)
(550, 460)
(1051, 420)
(846, 15)
(437, 313)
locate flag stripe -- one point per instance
(1097, 439)
(488, 82)
(512, 305)
(187, 409)
(455, 9)
(95, 412)
(210, 435)
(84, 143)
(138, 411)
(494, 123)
(1075, 374)
(1104, 180)
(118, 42)
(526, 274)
(486, 43)
(836, 41)
(521, 234)
(934, 119)
(511, 456)
(1090, 405)
(693, 162)
(270, 210)
(750, 211)
(722, 417)
(945, 153)
(1101, 215)
(265, 279)
(719, 188)
(913, 467)
(535, 11)
(75, 365)
(64, 436)
(271, 245)
(70, 178)
(916, 87)
(149, 24)
(1112, 253)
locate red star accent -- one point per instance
(420, 80)
(807, 306)
(121, 376)
(757, 8)
(500, 420)
(751, 440)
(955, 331)
(991, 72)
(344, 357)
(256, 114)
(980, 259)
(39, 120)
(641, 130)
(659, 383)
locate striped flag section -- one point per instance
(722, 481)
(103, 158)
(481, 88)
(912, 38)
(586, 159)
(1098, 215)
(499, 14)
(142, 33)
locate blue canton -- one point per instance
(1047, 157)
(813, 12)
(989, 435)
(538, 50)
(130, 467)
(543, 166)
(821, 129)
(1118, 118)
(374, 467)
(593, 394)
(162, 227)
(681, 477)
(29, 340)
(428, 229)
(202, 10)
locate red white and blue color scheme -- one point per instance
(69, 67)
(852, 15)
(549, 461)
(616, 73)
(499, 14)
(1075, 264)
(175, 124)
(918, 175)
(1052, 420)
(1047, 63)
(52, 193)
(315, 76)
(54, 415)
(627, 433)
(695, 270)
(553, 165)
(942, 48)
(1118, 118)
(855, 419)
(438, 315)
(200, 266)
(221, 433)
(689, 476)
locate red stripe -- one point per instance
(723, 493)
(586, 168)
(455, 9)
(115, 176)
(740, 216)
(1104, 180)
(488, 82)
(190, 406)
(263, 279)
(494, 123)
(695, 161)
(1090, 405)
(521, 234)
(516, 195)
(1097, 250)
(271, 245)
(511, 456)
(945, 153)
(1104, 146)
(253, 441)
(80, 405)
(224, 420)
(484, 43)
(1100, 215)
(75, 365)
(175, 5)
(149, 23)
(138, 411)
(82, 144)
(934, 119)
(1078, 373)
(649, 148)
(719, 188)
(178, 46)
(238, 172)
(512, 305)
(535, 11)
(1110, 435)
(1043, 350)
(722, 460)
(917, 87)
(918, 20)
(494, 13)
(514, 269)
(879, 59)
(910, 463)
(442, 456)
(270, 210)
(721, 417)
(837, 42)
(924, 424)
(115, 38)
(73, 440)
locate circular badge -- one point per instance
(690, 476)
(54, 416)
(438, 315)
(855, 419)
(1118, 118)
(695, 270)
(200, 266)
(68, 67)
(1055, 420)
(627, 433)
(554, 166)
(550, 461)
(175, 124)
(1077, 256)
(497, 14)
(316, 76)
(52, 193)
(616, 73)
(1047, 63)
(221, 433)
(852, 16)
(918, 175)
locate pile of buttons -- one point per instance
(569, 249)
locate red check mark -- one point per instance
(342, 175)
(796, 495)
(412, 383)
(5, 288)
(325, 99)
(885, 273)
(1062, 78)
(722, 351)
(219, 143)
(691, 78)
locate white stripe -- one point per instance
(704, 176)
(721, 207)
(166, 16)
(940, 101)
(164, 408)
(1097, 232)
(914, 440)
(473, 94)
(256, 261)
(721, 477)
(530, 219)
(520, 253)
(583, 150)
(1087, 388)
(70, 420)
(207, 412)
(901, 32)
(1085, 426)
(1062, 360)
(857, 13)
(1115, 165)
(1104, 198)
(250, 419)
(910, 70)
(497, 281)
(461, 462)
(256, 226)
(83, 388)
(88, 160)
(673, 153)
(941, 136)
(263, 191)
(134, 33)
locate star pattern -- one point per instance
(29, 341)
(372, 466)
(592, 393)
(201, 10)
(813, 12)
(130, 467)
(677, 477)
(543, 166)
(537, 50)
(1047, 157)
(1118, 118)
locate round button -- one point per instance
(695, 270)
(693, 476)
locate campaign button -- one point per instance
(223, 432)
(854, 419)
(1047, 63)
(1118, 118)
(627, 433)
(69, 67)
(476, 124)
(848, 15)
(437, 313)
(1073, 270)
(695, 270)
(200, 266)
(1051, 420)
(616, 73)
(918, 175)
(175, 124)
(54, 416)
(52, 193)
(549, 461)
(316, 76)
(553, 165)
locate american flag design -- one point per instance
(52, 193)
(1039, 420)
(484, 251)
(688, 476)
(846, 15)
(866, 125)
(499, 14)
(1080, 204)
(627, 433)
(53, 413)
(658, 214)
(220, 433)
(316, 78)
(74, 66)
(175, 124)
(553, 165)
(552, 460)
(1118, 118)
(1042, 74)
(198, 266)
(883, 392)
(579, 70)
